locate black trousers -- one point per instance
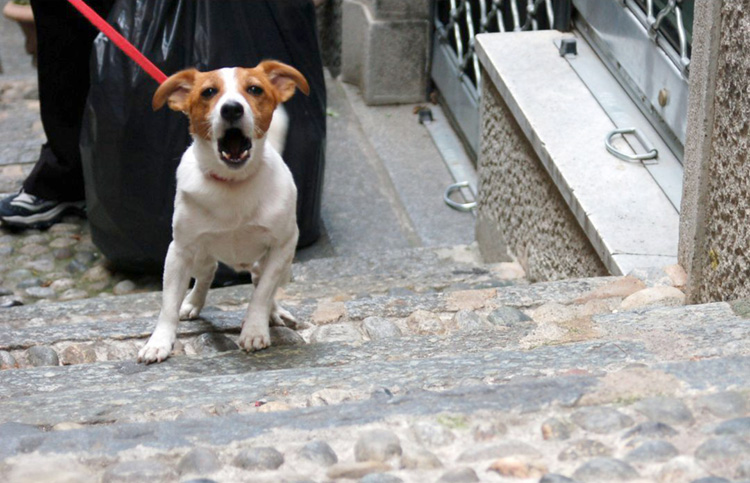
(64, 45)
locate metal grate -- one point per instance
(458, 21)
(671, 20)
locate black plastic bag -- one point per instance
(130, 153)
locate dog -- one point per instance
(236, 199)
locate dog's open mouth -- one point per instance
(234, 147)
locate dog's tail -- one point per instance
(278, 129)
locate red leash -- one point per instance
(120, 41)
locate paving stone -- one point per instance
(584, 448)
(381, 478)
(459, 475)
(727, 404)
(737, 426)
(517, 467)
(319, 452)
(666, 410)
(601, 420)
(42, 356)
(430, 433)
(618, 288)
(7, 361)
(41, 265)
(711, 479)
(336, 333)
(63, 284)
(378, 328)
(680, 469)
(605, 469)
(199, 461)
(200, 480)
(655, 451)
(555, 429)
(498, 450)
(63, 253)
(136, 471)
(356, 470)
(420, 459)
(743, 470)
(722, 455)
(377, 445)
(555, 478)
(262, 458)
(212, 342)
(73, 294)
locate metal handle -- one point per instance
(464, 207)
(651, 153)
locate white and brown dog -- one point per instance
(236, 199)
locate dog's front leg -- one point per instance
(176, 281)
(204, 274)
(255, 334)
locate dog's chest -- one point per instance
(238, 248)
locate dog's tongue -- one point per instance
(234, 143)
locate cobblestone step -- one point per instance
(400, 271)
(564, 424)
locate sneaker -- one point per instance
(24, 210)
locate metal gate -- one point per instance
(455, 66)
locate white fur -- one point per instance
(247, 221)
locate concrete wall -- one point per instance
(520, 209)
(714, 231)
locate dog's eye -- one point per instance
(208, 92)
(255, 90)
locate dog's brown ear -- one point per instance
(285, 79)
(174, 91)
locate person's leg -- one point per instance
(64, 46)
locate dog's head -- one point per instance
(231, 109)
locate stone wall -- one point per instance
(714, 231)
(520, 209)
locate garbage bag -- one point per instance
(130, 153)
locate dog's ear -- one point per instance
(174, 91)
(284, 78)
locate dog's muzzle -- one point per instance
(234, 147)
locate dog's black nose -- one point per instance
(232, 111)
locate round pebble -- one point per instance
(381, 478)
(459, 475)
(737, 426)
(651, 430)
(666, 410)
(73, 294)
(554, 429)
(584, 448)
(62, 253)
(336, 333)
(468, 321)
(212, 342)
(601, 420)
(63, 284)
(41, 265)
(199, 461)
(285, 336)
(723, 454)
(488, 430)
(555, 478)
(428, 433)
(605, 469)
(124, 287)
(378, 328)
(7, 361)
(41, 292)
(63, 242)
(42, 356)
(423, 322)
(377, 445)
(727, 404)
(319, 452)
(76, 354)
(420, 459)
(262, 458)
(29, 283)
(134, 471)
(655, 451)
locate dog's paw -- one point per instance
(283, 318)
(156, 349)
(254, 340)
(189, 311)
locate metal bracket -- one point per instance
(648, 157)
(464, 207)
